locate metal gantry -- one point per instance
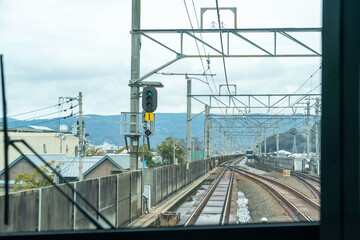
(236, 127)
(242, 104)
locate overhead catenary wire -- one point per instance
(293, 103)
(296, 101)
(197, 46)
(224, 63)
(201, 59)
(47, 121)
(225, 69)
(37, 110)
(311, 76)
(44, 115)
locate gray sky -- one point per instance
(57, 48)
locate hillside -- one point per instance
(107, 128)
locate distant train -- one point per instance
(249, 154)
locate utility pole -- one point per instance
(134, 89)
(188, 127)
(260, 140)
(188, 111)
(265, 138)
(308, 129)
(219, 139)
(228, 144)
(317, 110)
(81, 139)
(277, 138)
(225, 143)
(210, 137)
(174, 153)
(294, 145)
(143, 156)
(207, 112)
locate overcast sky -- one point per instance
(58, 48)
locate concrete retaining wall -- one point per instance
(23, 214)
(117, 197)
(56, 211)
(167, 180)
(287, 163)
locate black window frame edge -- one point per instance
(339, 151)
(301, 231)
(340, 120)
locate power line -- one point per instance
(308, 79)
(37, 110)
(224, 64)
(44, 115)
(51, 120)
(201, 59)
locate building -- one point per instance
(42, 139)
(93, 167)
(108, 148)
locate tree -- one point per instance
(148, 157)
(35, 180)
(286, 141)
(93, 150)
(166, 150)
(120, 150)
(196, 144)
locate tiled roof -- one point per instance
(70, 167)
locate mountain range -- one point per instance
(107, 127)
(103, 128)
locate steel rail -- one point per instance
(224, 214)
(195, 214)
(224, 219)
(303, 178)
(315, 178)
(287, 188)
(290, 189)
(295, 211)
(260, 165)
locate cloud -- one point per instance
(60, 48)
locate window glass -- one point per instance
(226, 133)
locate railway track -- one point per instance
(297, 205)
(220, 210)
(310, 182)
(214, 206)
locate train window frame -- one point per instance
(339, 147)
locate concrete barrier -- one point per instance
(108, 198)
(23, 212)
(287, 163)
(57, 212)
(90, 190)
(123, 201)
(167, 180)
(117, 197)
(135, 195)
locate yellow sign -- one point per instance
(286, 173)
(149, 117)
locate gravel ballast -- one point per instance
(261, 203)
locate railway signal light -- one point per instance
(148, 132)
(149, 99)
